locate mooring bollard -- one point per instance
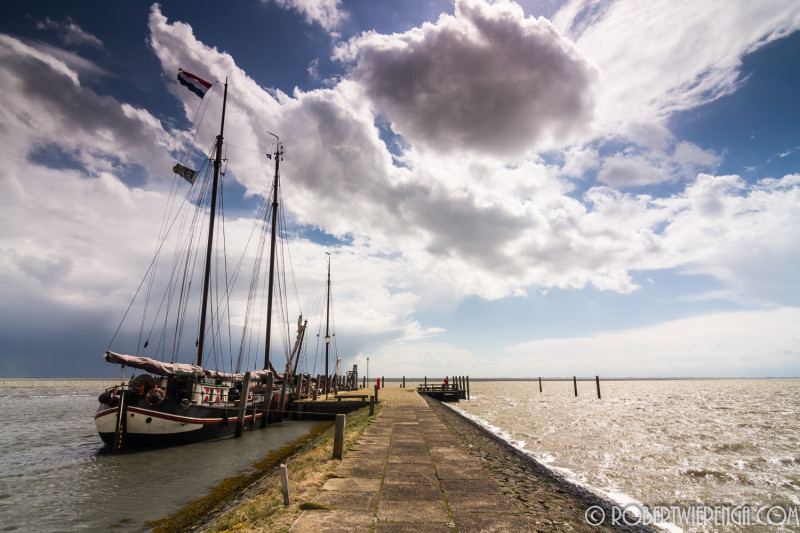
(575, 382)
(338, 436)
(285, 485)
(597, 380)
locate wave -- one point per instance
(625, 501)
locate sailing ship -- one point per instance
(177, 403)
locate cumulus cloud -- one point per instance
(327, 13)
(744, 235)
(640, 167)
(421, 229)
(473, 225)
(46, 105)
(485, 79)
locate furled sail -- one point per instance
(154, 367)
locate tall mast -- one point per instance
(207, 274)
(278, 154)
(327, 329)
(299, 348)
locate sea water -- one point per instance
(707, 455)
(54, 478)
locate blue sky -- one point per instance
(506, 189)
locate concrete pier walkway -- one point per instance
(408, 473)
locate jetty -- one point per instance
(408, 472)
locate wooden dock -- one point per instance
(443, 393)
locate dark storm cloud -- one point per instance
(485, 79)
(44, 99)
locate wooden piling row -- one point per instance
(575, 385)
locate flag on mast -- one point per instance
(193, 83)
(186, 173)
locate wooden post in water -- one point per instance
(540, 384)
(285, 485)
(467, 387)
(404, 382)
(119, 428)
(267, 400)
(597, 380)
(426, 381)
(338, 436)
(282, 399)
(242, 405)
(575, 383)
(295, 391)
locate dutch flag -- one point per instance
(193, 83)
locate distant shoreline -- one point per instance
(435, 379)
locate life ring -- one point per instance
(108, 397)
(155, 396)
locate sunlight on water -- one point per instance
(50, 461)
(658, 442)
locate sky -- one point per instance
(542, 188)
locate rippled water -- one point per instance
(53, 479)
(683, 443)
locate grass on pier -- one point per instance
(308, 471)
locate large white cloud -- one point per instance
(484, 79)
(661, 56)
(424, 229)
(747, 343)
(473, 224)
(60, 216)
(327, 13)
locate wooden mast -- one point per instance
(207, 274)
(327, 329)
(278, 154)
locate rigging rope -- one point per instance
(182, 222)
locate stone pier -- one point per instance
(409, 473)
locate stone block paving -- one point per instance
(409, 474)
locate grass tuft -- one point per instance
(194, 511)
(311, 506)
(310, 464)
